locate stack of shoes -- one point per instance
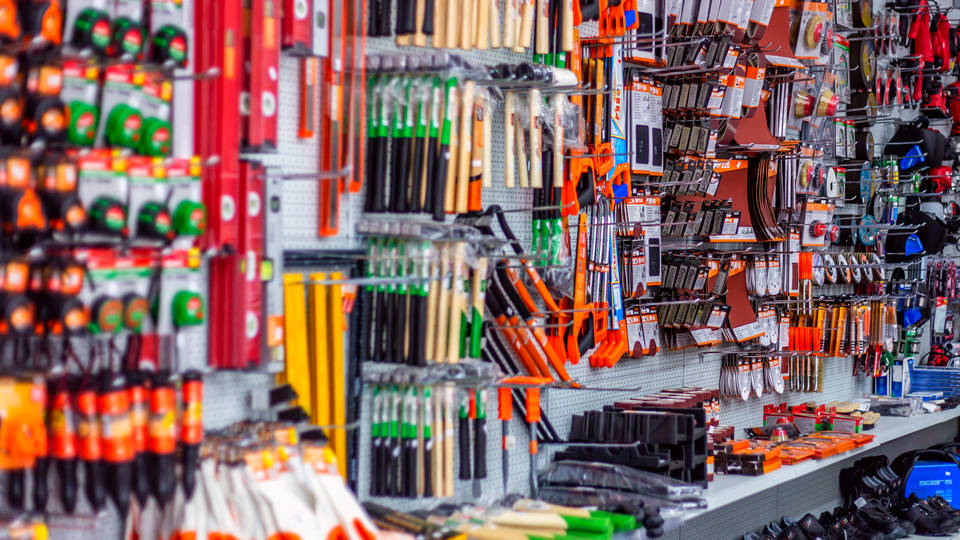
(874, 508)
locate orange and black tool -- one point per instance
(556, 361)
(10, 30)
(62, 433)
(505, 414)
(191, 429)
(523, 343)
(162, 437)
(113, 408)
(43, 21)
(89, 445)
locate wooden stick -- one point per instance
(439, 24)
(439, 436)
(536, 152)
(463, 159)
(566, 36)
(511, 24)
(433, 296)
(468, 10)
(525, 37)
(543, 27)
(453, 28)
(419, 38)
(482, 37)
(508, 138)
(495, 23)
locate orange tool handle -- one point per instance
(505, 404)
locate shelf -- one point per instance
(728, 489)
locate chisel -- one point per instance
(433, 293)
(440, 190)
(377, 475)
(432, 146)
(477, 301)
(400, 149)
(457, 304)
(400, 330)
(426, 444)
(463, 435)
(448, 441)
(453, 159)
(505, 414)
(479, 439)
(418, 171)
(475, 186)
(443, 305)
(373, 142)
(465, 148)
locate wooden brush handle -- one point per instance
(536, 153)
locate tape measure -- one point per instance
(155, 137)
(123, 126)
(135, 308)
(106, 315)
(91, 30)
(108, 216)
(84, 117)
(190, 218)
(126, 38)
(169, 45)
(153, 221)
(187, 309)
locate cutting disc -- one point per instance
(832, 186)
(818, 271)
(867, 267)
(878, 268)
(830, 267)
(867, 233)
(843, 268)
(866, 184)
(855, 275)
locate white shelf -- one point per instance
(728, 489)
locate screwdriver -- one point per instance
(479, 439)
(505, 413)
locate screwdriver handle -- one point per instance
(480, 448)
(464, 444)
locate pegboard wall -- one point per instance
(631, 376)
(228, 395)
